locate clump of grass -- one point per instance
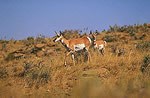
(145, 67)
(109, 38)
(132, 33)
(10, 57)
(13, 55)
(26, 68)
(36, 74)
(40, 39)
(41, 76)
(142, 37)
(4, 45)
(29, 41)
(3, 72)
(144, 46)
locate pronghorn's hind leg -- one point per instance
(73, 59)
(86, 54)
(78, 55)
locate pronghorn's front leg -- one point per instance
(66, 55)
(102, 51)
(72, 55)
(89, 55)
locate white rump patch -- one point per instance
(79, 47)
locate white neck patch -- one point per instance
(62, 40)
(89, 40)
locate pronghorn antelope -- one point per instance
(74, 45)
(98, 44)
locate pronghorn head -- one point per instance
(93, 36)
(59, 37)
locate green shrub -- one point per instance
(3, 72)
(132, 33)
(30, 38)
(144, 46)
(27, 65)
(129, 29)
(145, 67)
(29, 41)
(37, 73)
(40, 39)
(109, 38)
(10, 57)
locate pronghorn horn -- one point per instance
(60, 32)
(90, 32)
(96, 32)
(56, 33)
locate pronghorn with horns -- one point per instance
(98, 44)
(74, 45)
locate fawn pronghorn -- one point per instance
(98, 44)
(74, 45)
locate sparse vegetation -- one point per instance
(34, 67)
(144, 46)
(10, 57)
(110, 38)
(3, 72)
(145, 67)
(136, 28)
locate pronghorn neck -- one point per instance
(65, 43)
(92, 40)
(89, 39)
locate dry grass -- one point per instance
(108, 76)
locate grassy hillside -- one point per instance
(33, 67)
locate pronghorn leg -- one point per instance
(89, 55)
(66, 55)
(102, 51)
(72, 55)
(85, 56)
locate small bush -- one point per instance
(145, 67)
(109, 38)
(132, 33)
(29, 41)
(38, 76)
(44, 75)
(40, 39)
(142, 37)
(27, 66)
(10, 57)
(36, 73)
(136, 28)
(13, 55)
(3, 73)
(144, 46)
(71, 34)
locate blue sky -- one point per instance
(22, 18)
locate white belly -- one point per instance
(79, 47)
